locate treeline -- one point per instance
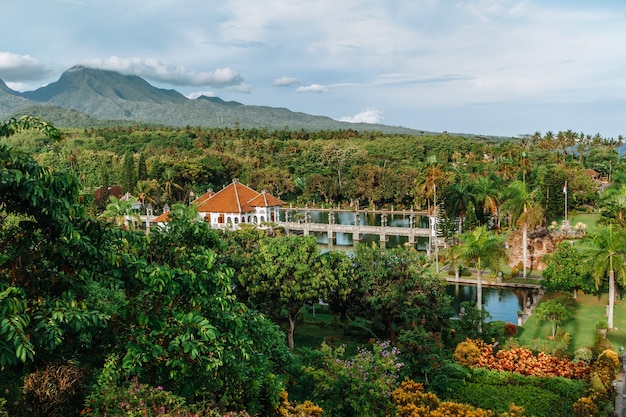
(166, 165)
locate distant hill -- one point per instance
(89, 97)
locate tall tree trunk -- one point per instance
(611, 297)
(479, 290)
(292, 326)
(525, 249)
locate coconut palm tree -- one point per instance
(144, 190)
(613, 205)
(454, 260)
(119, 212)
(484, 250)
(457, 196)
(604, 257)
(486, 192)
(524, 212)
(169, 182)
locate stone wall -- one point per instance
(539, 242)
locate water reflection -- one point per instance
(345, 241)
(502, 303)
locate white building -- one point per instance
(238, 204)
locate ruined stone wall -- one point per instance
(539, 242)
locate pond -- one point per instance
(502, 303)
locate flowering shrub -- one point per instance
(603, 373)
(467, 353)
(306, 409)
(134, 400)
(523, 361)
(585, 407)
(584, 355)
(411, 401)
(510, 329)
(360, 385)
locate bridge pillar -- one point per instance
(383, 234)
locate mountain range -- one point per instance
(88, 97)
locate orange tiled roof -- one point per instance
(204, 197)
(237, 198)
(265, 200)
(162, 218)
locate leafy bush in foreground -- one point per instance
(496, 390)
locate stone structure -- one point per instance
(539, 242)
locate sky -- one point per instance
(486, 67)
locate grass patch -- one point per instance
(311, 330)
(581, 326)
(590, 219)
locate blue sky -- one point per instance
(493, 67)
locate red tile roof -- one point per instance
(237, 198)
(203, 197)
(165, 217)
(265, 200)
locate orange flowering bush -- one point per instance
(523, 361)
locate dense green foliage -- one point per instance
(76, 289)
(496, 390)
(199, 312)
(565, 270)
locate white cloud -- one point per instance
(240, 88)
(313, 88)
(15, 67)
(373, 116)
(285, 81)
(197, 94)
(166, 73)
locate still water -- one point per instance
(502, 303)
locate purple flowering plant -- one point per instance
(360, 384)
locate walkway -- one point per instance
(300, 220)
(489, 283)
(620, 396)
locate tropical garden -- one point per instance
(101, 318)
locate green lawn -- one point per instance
(587, 311)
(587, 218)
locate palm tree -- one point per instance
(486, 193)
(604, 256)
(119, 212)
(169, 182)
(429, 181)
(483, 249)
(613, 205)
(458, 195)
(144, 189)
(524, 212)
(454, 260)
